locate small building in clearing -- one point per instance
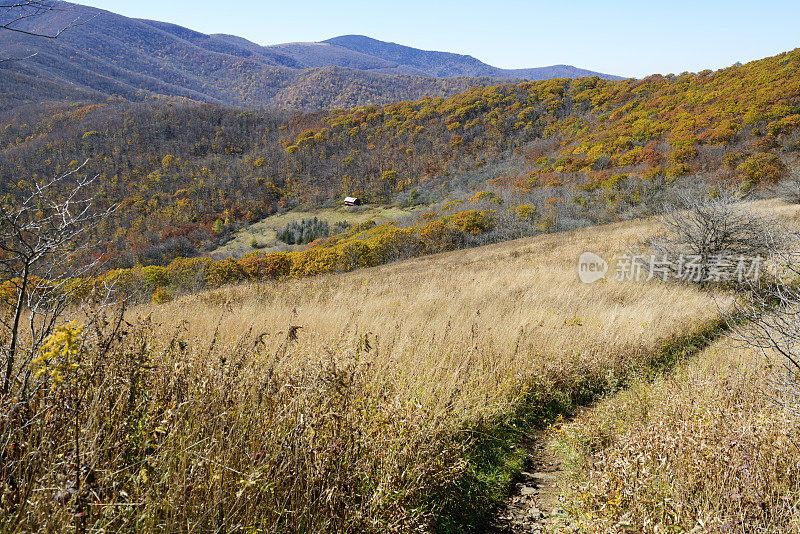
(352, 201)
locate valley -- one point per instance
(353, 286)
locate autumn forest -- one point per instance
(530, 315)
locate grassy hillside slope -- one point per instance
(384, 399)
(700, 450)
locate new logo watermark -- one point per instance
(719, 268)
(591, 267)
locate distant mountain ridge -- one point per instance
(448, 65)
(113, 55)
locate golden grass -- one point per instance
(702, 450)
(475, 321)
(383, 412)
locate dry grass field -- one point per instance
(388, 399)
(476, 321)
(701, 450)
(265, 231)
(456, 345)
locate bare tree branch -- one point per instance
(768, 319)
(14, 14)
(710, 228)
(44, 258)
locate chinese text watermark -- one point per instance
(719, 268)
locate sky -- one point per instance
(626, 38)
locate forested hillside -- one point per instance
(183, 173)
(106, 54)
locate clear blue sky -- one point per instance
(618, 37)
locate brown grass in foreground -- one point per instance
(703, 450)
(216, 412)
(461, 330)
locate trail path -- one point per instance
(535, 495)
(534, 500)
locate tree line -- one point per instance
(185, 175)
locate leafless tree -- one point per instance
(44, 264)
(789, 189)
(767, 317)
(711, 227)
(15, 16)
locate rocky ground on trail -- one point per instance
(534, 500)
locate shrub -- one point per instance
(155, 276)
(785, 126)
(397, 244)
(314, 261)
(189, 274)
(220, 227)
(223, 272)
(710, 229)
(677, 170)
(486, 196)
(269, 266)
(525, 212)
(437, 236)
(354, 255)
(303, 232)
(770, 306)
(128, 282)
(630, 157)
(762, 168)
(340, 226)
(472, 221)
(682, 154)
(789, 190)
(167, 161)
(161, 296)
(732, 159)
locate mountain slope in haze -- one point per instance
(114, 55)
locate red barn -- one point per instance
(352, 201)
